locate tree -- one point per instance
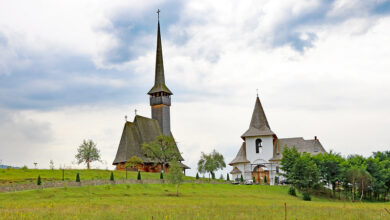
(175, 175)
(39, 181)
(112, 176)
(304, 175)
(51, 164)
(209, 163)
(78, 177)
(221, 177)
(162, 150)
(87, 153)
(288, 160)
(139, 176)
(254, 180)
(227, 177)
(161, 176)
(241, 179)
(265, 179)
(330, 167)
(197, 176)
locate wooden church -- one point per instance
(144, 130)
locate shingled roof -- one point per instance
(313, 146)
(159, 80)
(259, 124)
(241, 156)
(142, 130)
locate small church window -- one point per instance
(258, 145)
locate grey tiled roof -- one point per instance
(312, 146)
(241, 156)
(259, 124)
(142, 130)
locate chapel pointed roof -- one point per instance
(159, 80)
(241, 156)
(259, 124)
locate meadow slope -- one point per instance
(197, 201)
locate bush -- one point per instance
(306, 196)
(24, 168)
(292, 191)
(161, 176)
(254, 180)
(39, 181)
(78, 177)
(197, 176)
(112, 176)
(265, 179)
(227, 177)
(139, 175)
(241, 178)
(276, 180)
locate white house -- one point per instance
(260, 153)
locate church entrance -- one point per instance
(261, 174)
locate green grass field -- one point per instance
(8, 176)
(197, 201)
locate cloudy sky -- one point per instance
(71, 70)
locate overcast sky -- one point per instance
(71, 70)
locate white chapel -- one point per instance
(260, 153)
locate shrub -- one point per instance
(112, 176)
(227, 177)
(241, 178)
(276, 180)
(161, 176)
(78, 177)
(265, 179)
(221, 177)
(254, 180)
(39, 181)
(139, 175)
(24, 168)
(292, 191)
(197, 176)
(306, 196)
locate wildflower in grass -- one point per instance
(112, 176)
(78, 177)
(39, 181)
(139, 175)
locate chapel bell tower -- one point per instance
(160, 95)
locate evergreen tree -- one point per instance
(241, 178)
(221, 177)
(197, 176)
(227, 177)
(213, 176)
(161, 176)
(254, 179)
(265, 179)
(112, 176)
(39, 181)
(139, 175)
(78, 177)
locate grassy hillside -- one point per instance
(30, 175)
(197, 201)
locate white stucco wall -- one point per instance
(265, 153)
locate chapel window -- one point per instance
(258, 145)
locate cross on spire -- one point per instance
(257, 92)
(158, 14)
(126, 117)
(135, 111)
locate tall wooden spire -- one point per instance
(159, 79)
